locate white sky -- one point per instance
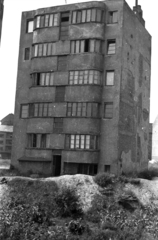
(10, 47)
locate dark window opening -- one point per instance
(27, 54)
(58, 125)
(86, 49)
(65, 17)
(38, 79)
(107, 168)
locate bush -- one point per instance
(77, 227)
(68, 203)
(103, 179)
(148, 174)
(98, 206)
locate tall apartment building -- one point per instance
(83, 86)
(1, 15)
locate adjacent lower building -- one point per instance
(83, 89)
(6, 132)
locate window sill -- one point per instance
(81, 150)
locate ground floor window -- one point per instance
(81, 168)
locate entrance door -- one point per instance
(56, 165)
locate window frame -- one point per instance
(106, 78)
(109, 51)
(87, 15)
(27, 25)
(23, 105)
(38, 81)
(26, 54)
(111, 17)
(82, 142)
(83, 109)
(40, 20)
(38, 140)
(108, 115)
(82, 77)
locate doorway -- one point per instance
(56, 165)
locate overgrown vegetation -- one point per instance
(40, 210)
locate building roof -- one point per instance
(8, 120)
(5, 128)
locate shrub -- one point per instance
(98, 206)
(103, 179)
(77, 227)
(68, 203)
(148, 174)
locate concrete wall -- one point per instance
(1, 16)
(135, 94)
(109, 127)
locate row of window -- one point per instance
(86, 45)
(8, 142)
(73, 109)
(81, 141)
(72, 141)
(87, 15)
(80, 168)
(79, 77)
(77, 46)
(8, 135)
(79, 16)
(83, 109)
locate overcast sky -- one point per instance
(10, 47)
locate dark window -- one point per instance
(110, 78)
(26, 54)
(108, 110)
(62, 63)
(86, 47)
(58, 125)
(65, 17)
(29, 26)
(1, 142)
(81, 141)
(60, 94)
(113, 17)
(111, 47)
(38, 140)
(1, 135)
(90, 169)
(107, 168)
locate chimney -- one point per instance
(138, 12)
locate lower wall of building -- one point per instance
(35, 167)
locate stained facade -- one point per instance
(83, 88)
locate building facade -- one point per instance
(6, 132)
(1, 15)
(83, 86)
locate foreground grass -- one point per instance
(39, 210)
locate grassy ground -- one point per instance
(33, 209)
